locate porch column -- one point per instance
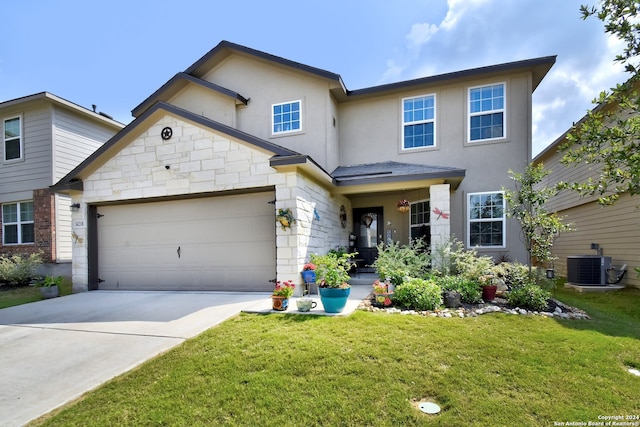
(440, 219)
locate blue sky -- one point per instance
(114, 54)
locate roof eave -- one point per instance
(176, 83)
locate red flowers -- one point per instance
(284, 289)
(309, 266)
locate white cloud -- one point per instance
(421, 33)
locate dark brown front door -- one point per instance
(369, 231)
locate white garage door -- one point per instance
(216, 243)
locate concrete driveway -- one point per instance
(53, 351)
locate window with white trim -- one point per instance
(419, 220)
(12, 134)
(486, 219)
(17, 223)
(487, 112)
(418, 122)
(286, 117)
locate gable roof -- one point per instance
(73, 180)
(538, 67)
(225, 48)
(177, 83)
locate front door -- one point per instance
(369, 231)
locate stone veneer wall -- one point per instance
(439, 197)
(317, 229)
(201, 161)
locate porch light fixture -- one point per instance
(75, 207)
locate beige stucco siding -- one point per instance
(266, 84)
(207, 103)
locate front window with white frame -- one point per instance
(419, 122)
(17, 223)
(487, 112)
(420, 221)
(486, 220)
(12, 137)
(286, 117)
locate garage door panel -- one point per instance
(226, 243)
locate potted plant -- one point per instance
(308, 277)
(332, 277)
(49, 287)
(281, 294)
(381, 294)
(403, 206)
(489, 288)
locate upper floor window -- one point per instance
(287, 117)
(418, 122)
(487, 112)
(13, 138)
(486, 219)
(17, 223)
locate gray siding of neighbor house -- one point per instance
(19, 178)
(75, 139)
(615, 228)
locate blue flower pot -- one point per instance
(309, 276)
(334, 299)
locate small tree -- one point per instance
(526, 204)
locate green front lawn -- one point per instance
(27, 294)
(368, 369)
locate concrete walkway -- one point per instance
(53, 351)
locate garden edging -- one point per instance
(561, 311)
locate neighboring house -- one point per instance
(43, 138)
(615, 229)
(185, 197)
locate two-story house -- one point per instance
(186, 196)
(43, 138)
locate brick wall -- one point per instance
(44, 229)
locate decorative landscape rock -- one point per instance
(452, 299)
(499, 305)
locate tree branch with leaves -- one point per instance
(608, 137)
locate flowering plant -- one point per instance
(309, 266)
(404, 203)
(284, 289)
(486, 280)
(380, 287)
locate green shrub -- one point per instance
(513, 274)
(468, 264)
(529, 296)
(418, 294)
(397, 261)
(17, 270)
(469, 290)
